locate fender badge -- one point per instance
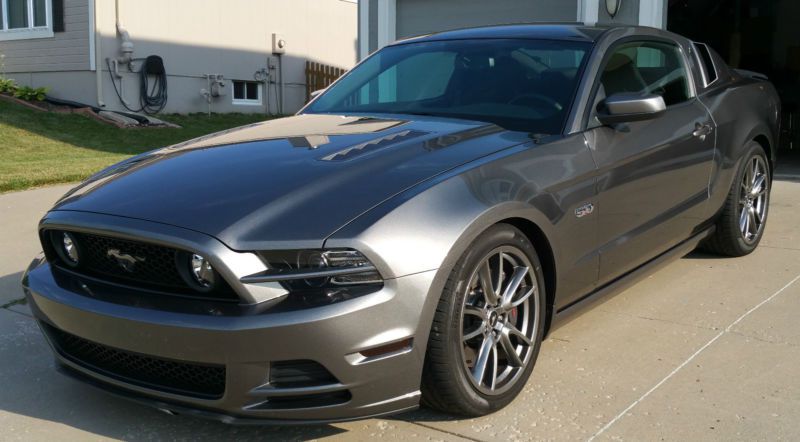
(585, 209)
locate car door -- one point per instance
(652, 175)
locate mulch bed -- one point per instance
(44, 106)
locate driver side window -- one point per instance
(644, 68)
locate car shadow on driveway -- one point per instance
(10, 289)
(32, 392)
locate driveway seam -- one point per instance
(647, 318)
(759, 339)
(13, 302)
(690, 359)
(781, 248)
(19, 313)
(451, 433)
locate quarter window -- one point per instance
(246, 92)
(23, 19)
(709, 70)
(647, 68)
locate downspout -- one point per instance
(126, 47)
(98, 53)
(280, 71)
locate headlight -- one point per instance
(316, 268)
(319, 276)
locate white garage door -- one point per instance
(416, 17)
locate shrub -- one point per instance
(7, 85)
(30, 94)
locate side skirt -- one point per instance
(572, 311)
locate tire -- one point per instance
(735, 234)
(452, 380)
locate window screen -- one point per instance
(17, 14)
(39, 13)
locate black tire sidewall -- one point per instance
(753, 149)
(494, 237)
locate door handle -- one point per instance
(701, 130)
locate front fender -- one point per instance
(429, 231)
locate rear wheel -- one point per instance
(488, 326)
(742, 221)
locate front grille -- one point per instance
(189, 379)
(154, 267)
(156, 264)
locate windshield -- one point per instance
(524, 85)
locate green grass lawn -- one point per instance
(39, 148)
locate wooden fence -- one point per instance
(320, 76)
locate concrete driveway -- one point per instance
(706, 349)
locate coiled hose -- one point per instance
(152, 94)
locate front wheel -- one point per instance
(488, 326)
(744, 216)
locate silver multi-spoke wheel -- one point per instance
(743, 217)
(488, 325)
(499, 320)
(753, 199)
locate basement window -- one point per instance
(246, 92)
(26, 19)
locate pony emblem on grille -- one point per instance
(126, 261)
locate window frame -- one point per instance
(245, 101)
(31, 32)
(590, 110)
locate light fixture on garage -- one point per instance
(612, 6)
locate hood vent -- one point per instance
(373, 145)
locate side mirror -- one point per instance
(314, 94)
(626, 108)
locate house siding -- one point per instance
(194, 38)
(628, 14)
(228, 37)
(65, 51)
(419, 17)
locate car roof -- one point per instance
(589, 33)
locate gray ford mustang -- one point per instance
(413, 233)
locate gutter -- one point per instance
(98, 70)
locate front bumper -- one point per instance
(246, 346)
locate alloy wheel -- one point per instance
(499, 320)
(753, 199)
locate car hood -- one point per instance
(285, 183)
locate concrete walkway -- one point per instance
(706, 349)
(20, 213)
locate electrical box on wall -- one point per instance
(278, 44)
